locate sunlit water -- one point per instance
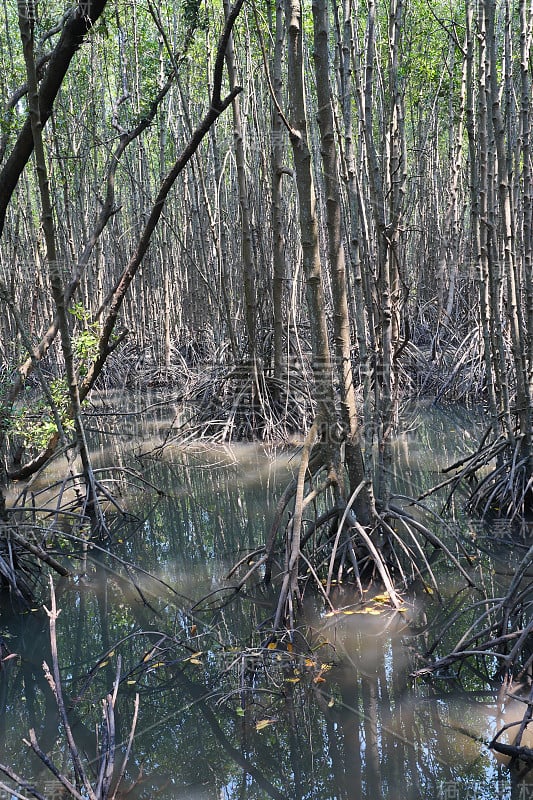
(222, 715)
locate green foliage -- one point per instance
(85, 342)
(34, 422)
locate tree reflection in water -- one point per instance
(225, 711)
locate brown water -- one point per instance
(222, 716)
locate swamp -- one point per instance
(266, 399)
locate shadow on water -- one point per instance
(225, 713)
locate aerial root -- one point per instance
(246, 403)
(505, 489)
(331, 548)
(502, 632)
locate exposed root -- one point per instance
(501, 635)
(520, 755)
(40, 519)
(245, 403)
(330, 546)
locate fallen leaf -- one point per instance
(272, 645)
(264, 723)
(292, 680)
(239, 711)
(10, 656)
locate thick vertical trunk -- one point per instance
(336, 259)
(507, 214)
(277, 169)
(309, 224)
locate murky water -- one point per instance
(222, 715)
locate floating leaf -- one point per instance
(292, 680)
(331, 703)
(239, 711)
(103, 663)
(131, 683)
(319, 679)
(402, 609)
(195, 655)
(264, 723)
(381, 598)
(290, 647)
(348, 612)
(272, 645)
(194, 628)
(310, 662)
(325, 667)
(195, 661)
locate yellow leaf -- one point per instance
(195, 661)
(263, 723)
(292, 680)
(149, 655)
(319, 679)
(158, 664)
(381, 598)
(131, 683)
(194, 628)
(112, 653)
(272, 645)
(103, 663)
(290, 648)
(195, 655)
(374, 611)
(310, 662)
(331, 703)
(349, 612)
(325, 667)
(428, 589)
(402, 609)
